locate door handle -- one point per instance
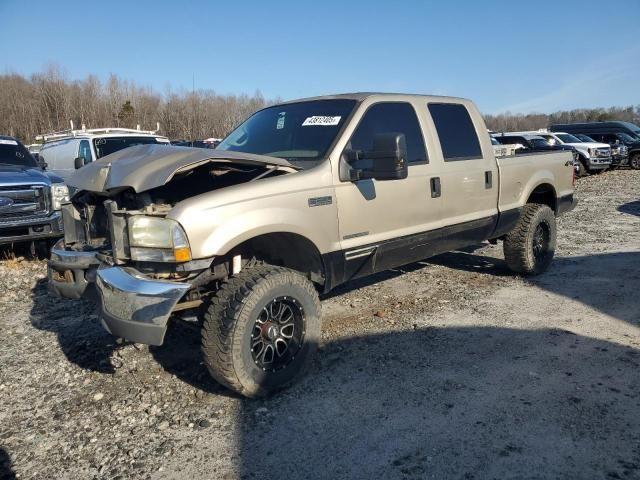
(488, 179)
(436, 190)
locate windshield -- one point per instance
(108, 145)
(626, 138)
(13, 153)
(586, 138)
(539, 142)
(300, 133)
(551, 140)
(566, 138)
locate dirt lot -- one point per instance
(451, 368)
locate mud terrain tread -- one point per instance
(516, 243)
(221, 319)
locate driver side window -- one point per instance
(391, 117)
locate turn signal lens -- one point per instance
(182, 254)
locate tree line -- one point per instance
(47, 101)
(514, 122)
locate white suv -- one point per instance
(65, 152)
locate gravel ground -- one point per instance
(451, 368)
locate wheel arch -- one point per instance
(286, 249)
(544, 193)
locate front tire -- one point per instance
(582, 170)
(261, 329)
(634, 161)
(530, 246)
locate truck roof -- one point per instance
(97, 132)
(359, 96)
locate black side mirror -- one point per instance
(40, 161)
(389, 156)
(78, 162)
(387, 160)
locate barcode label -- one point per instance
(320, 120)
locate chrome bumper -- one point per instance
(14, 230)
(134, 307)
(596, 163)
(131, 306)
(71, 274)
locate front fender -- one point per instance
(215, 231)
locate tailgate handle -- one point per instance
(436, 191)
(488, 179)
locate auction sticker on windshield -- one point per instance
(321, 120)
(7, 142)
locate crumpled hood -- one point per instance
(14, 174)
(144, 167)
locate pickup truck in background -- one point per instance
(30, 199)
(300, 198)
(593, 157)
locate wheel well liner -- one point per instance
(285, 249)
(546, 195)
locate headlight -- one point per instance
(59, 195)
(590, 151)
(156, 239)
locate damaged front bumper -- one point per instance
(131, 306)
(134, 307)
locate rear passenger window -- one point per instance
(458, 137)
(390, 118)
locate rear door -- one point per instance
(469, 176)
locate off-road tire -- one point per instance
(519, 252)
(634, 161)
(229, 318)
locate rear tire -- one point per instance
(530, 246)
(261, 330)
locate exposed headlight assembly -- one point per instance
(59, 195)
(156, 239)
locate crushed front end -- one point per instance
(123, 252)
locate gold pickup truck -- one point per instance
(300, 198)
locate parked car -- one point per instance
(593, 157)
(619, 152)
(67, 151)
(625, 133)
(300, 198)
(30, 198)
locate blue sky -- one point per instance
(506, 55)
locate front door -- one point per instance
(379, 221)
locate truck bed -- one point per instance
(518, 178)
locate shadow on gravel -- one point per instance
(453, 403)
(181, 356)
(80, 335)
(632, 208)
(608, 282)
(6, 468)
